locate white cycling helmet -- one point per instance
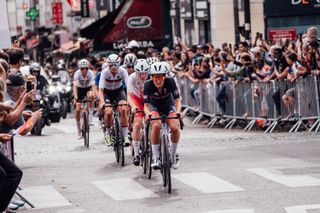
(130, 59)
(167, 66)
(142, 66)
(158, 68)
(152, 60)
(83, 63)
(133, 44)
(113, 59)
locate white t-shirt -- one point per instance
(111, 82)
(84, 81)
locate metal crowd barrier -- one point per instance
(255, 101)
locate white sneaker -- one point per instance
(19, 203)
(156, 164)
(175, 163)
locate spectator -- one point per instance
(15, 59)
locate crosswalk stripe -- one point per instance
(206, 182)
(302, 209)
(233, 211)
(124, 189)
(44, 197)
(291, 181)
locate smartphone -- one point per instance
(29, 86)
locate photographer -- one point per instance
(42, 82)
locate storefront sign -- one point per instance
(57, 13)
(277, 34)
(276, 8)
(4, 28)
(186, 9)
(202, 12)
(138, 22)
(143, 44)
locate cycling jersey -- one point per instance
(111, 82)
(135, 86)
(84, 82)
(164, 101)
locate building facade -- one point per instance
(214, 21)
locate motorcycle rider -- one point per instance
(63, 74)
(42, 82)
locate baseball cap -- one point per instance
(15, 80)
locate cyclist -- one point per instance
(83, 86)
(129, 61)
(135, 100)
(161, 97)
(111, 91)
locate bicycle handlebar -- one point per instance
(164, 117)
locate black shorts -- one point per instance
(163, 110)
(82, 92)
(114, 96)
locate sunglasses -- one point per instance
(84, 68)
(158, 77)
(114, 65)
(130, 67)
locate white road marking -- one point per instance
(44, 197)
(291, 181)
(124, 189)
(302, 209)
(206, 182)
(233, 211)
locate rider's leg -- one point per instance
(91, 105)
(175, 132)
(136, 134)
(155, 131)
(124, 118)
(78, 109)
(108, 118)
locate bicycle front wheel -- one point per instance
(166, 164)
(84, 129)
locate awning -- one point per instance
(67, 46)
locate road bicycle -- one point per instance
(166, 150)
(117, 138)
(145, 151)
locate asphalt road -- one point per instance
(221, 171)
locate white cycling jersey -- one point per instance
(111, 82)
(84, 81)
(135, 86)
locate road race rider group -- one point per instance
(137, 85)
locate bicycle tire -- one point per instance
(84, 132)
(87, 131)
(149, 148)
(167, 163)
(143, 159)
(162, 157)
(121, 145)
(116, 141)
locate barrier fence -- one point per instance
(272, 104)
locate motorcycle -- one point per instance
(55, 100)
(41, 102)
(66, 98)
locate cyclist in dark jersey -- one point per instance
(161, 97)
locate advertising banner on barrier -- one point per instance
(5, 41)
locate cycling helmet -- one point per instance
(34, 67)
(141, 66)
(130, 59)
(166, 65)
(113, 59)
(158, 68)
(133, 44)
(83, 63)
(152, 60)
